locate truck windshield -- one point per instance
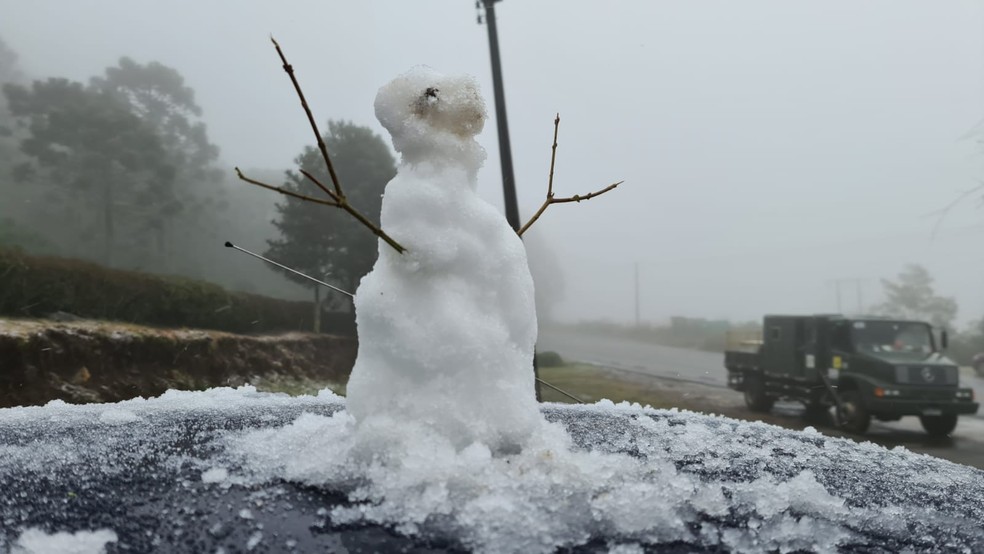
(893, 340)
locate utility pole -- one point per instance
(505, 152)
(637, 294)
(837, 288)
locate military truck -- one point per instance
(862, 367)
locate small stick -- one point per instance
(338, 199)
(550, 194)
(282, 190)
(339, 203)
(314, 126)
(942, 213)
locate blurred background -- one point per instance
(777, 157)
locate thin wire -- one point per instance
(294, 271)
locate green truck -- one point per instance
(862, 367)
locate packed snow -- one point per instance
(446, 329)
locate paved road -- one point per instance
(966, 445)
(661, 361)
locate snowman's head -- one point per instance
(430, 115)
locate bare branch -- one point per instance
(550, 194)
(320, 185)
(284, 191)
(589, 196)
(343, 203)
(372, 227)
(337, 197)
(946, 210)
(553, 157)
(314, 126)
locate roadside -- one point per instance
(83, 361)
(593, 382)
(93, 361)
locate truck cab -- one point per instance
(864, 367)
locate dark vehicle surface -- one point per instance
(156, 476)
(863, 367)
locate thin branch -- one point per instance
(550, 194)
(343, 203)
(589, 196)
(553, 157)
(337, 197)
(320, 185)
(314, 126)
(943, 212)
(282, 190)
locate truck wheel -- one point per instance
(755, 397)
(817, 413)
(939, 426)
(852, 415)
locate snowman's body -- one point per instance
(447, 329)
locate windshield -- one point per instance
(893, 340)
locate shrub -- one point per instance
(32, 286)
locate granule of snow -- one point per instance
(548, 495)
(36, 541)
(118, 417)
(254, 540)
(215, 475)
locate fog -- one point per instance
(773, 152)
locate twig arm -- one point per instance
(536, 216)
(552, 200)
(553, 158)
(372, 227)
(337, 197)
(307, 110)
(320, 185)
(550, 193)
(284, 191)
(589, 196)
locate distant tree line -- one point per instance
(120, 171)
(910, 296)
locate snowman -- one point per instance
(446, 329)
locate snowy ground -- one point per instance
(241, 470)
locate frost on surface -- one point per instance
(612, 476)
(447, 329)
(641, 476)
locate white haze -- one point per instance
(767, 147)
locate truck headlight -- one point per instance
(965, 394)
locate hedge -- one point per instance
(34, 286)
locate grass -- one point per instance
(587, 382)
(297, 386)
(592, 383)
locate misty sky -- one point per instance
(767, 147)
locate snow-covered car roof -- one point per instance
(238, 470)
